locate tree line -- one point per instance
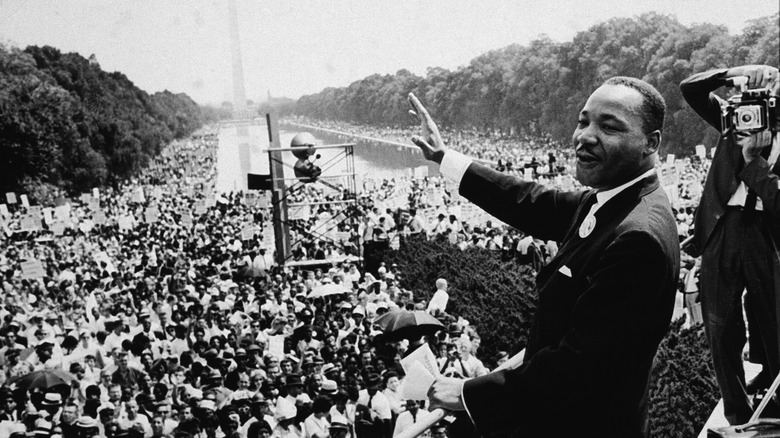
(65, 123)
(539, 88)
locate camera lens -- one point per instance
(747, 118)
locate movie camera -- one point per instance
(750, 110)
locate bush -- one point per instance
(499, 298)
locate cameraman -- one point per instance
(735, 233)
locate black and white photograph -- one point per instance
(389, 219)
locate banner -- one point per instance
(701, 151)
(32, 269)
(200, 207)
(48, 216)
(247, 233)
(125, 223)
(152, 215)
(58, 228)
(186, 220)
(99, 217)
(30, 222)
(138, 195)
(62, 212)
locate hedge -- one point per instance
(498, 298)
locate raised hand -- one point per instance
(759, 76)
(430, 142)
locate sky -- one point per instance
(297, 47)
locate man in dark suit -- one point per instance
(605, 300)
(733, 232)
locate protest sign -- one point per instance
(10, 197)
(32, 269)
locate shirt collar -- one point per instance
(606, 195)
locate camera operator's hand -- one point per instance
(759, 76)
(430, 143)
(752, 144)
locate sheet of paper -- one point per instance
(276, 346)
(425, 357)
(416, 383)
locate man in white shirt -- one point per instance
(375, 407)
(439, 299)
(413, 414)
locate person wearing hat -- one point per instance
(87, 427)
(260, 410)
(413, 414)
(339, 426)
(316, 425)
(295, 395)
(44, 358)
(52, 406)
(163, 410)
(214, 385)
(9, 334)
(373, 409)
(286, 426)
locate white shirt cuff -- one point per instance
(454, 165)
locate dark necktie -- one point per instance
(752, 196)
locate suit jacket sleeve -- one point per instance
(698, 92)
(527, 206)
(613, 324)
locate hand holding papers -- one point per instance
(421, 371)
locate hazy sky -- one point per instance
(296, 47)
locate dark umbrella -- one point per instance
(44, 379)
(407, 324)
(249, 271)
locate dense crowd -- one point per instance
(149, 310)
(431, 205)
(164, 306)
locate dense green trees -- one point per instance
(539, 88)
(65, 122)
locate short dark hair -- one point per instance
(653, 104)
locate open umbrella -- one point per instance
(249, 271)
(44, 379)
(407, 324)
(328, 289)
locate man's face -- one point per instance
(115, 393)
(69, 414)
(157, 425)
(609, 141)
(164, 411)
(132, 408)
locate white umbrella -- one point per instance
(327, 290)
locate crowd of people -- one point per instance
(167, 305)
(431, 206)
(145, 310)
